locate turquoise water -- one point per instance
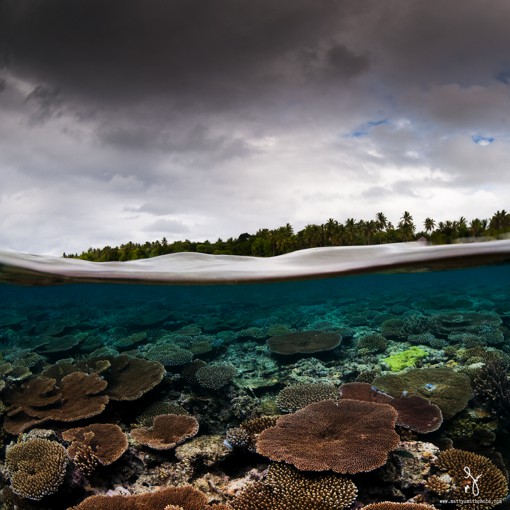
(458, 319)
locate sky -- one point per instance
(134, 120)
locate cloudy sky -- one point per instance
(136, 119)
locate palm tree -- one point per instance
(350, 231)
(381, 223)
(429, 225)
(406, 226)
(476, 227)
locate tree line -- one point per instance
(270, 242)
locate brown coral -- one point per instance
(304, 342)
(182, 498)
(215, 376)
(129, 378)
(146, 418)
(442, 386)
(297, 396)
(417, 413)
(77, 396)
(477, 483)
(348, 436)
(245, 436)
(286, 487)
(102, 441)
(36, 467)
(391, 505)
(167, 431)
(414, 412)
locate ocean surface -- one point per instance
(223, 344)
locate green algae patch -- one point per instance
(405, 359)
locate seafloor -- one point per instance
(242, 396)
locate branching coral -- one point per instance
(245, 436)
(348, 436)
(36, 468)
(297, 396)
(286, 487)
(477, 484)
(492, 385)
(102, 441)
(215, 376)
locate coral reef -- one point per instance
(303, 342)
(167, 431)
(36, 468)
(246, 435)
(404, 359)
(215, 376)
(169, 498)
(129, 378)
(77, 396)
(492, 386)
(297, 396)
(443, 386)
(413, 412)
(285, 487)
(348, 436)
(477, 484)
(103, 443)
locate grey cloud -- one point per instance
(195, 54)
(168, 226)
(344, 63)
(192, 142)
(47, 103)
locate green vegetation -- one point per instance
(267, 243)
(404, 359)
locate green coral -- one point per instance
(405, 359)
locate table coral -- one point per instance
(443, 386)
(348, 436)
(182, 498)
(77, 396)
(167, 431)
(106, 442)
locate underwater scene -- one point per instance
(369, 390)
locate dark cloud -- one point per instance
(47, 101)
(200, 53)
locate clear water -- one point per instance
(237, 320)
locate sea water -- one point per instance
(230, 324)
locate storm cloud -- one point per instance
(133, 120)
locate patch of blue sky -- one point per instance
(504, 77)
(365, 128)
(483, 140)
